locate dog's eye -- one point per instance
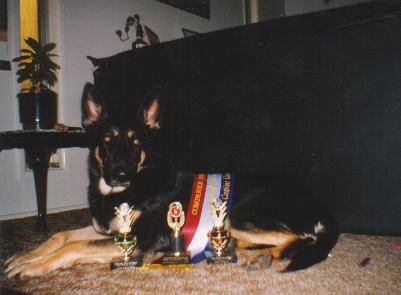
(136, 142)
(106, 139)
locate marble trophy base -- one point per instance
(223, 259)
(177, 245)
(228, 255)
(120, 264)
(172, 259)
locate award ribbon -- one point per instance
(199, 222)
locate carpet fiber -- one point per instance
(358, 265)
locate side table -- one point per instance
(39, 145)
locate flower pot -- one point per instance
(38, 111)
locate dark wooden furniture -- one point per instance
(317, 96)
(39, 145)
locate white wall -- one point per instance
(293, 7)
(262, 10)
(81, 28)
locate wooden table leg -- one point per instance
(38, 161)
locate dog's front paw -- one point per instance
(258, 262)
(20, 259)
(27, 270)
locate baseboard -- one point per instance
(49, 211)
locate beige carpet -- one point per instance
(358, 265)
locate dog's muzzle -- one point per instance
(115, 183)
(114, 187)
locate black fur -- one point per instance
(267, 202)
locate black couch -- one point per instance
(316, 96)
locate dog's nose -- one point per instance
(120, 175)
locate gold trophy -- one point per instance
(125, 240)
(219, 236)
(176, 220)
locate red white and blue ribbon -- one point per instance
(198, 221)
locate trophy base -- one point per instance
(224, 259)
(125, 265)
(171, 259)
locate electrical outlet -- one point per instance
(57, 160)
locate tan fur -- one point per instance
(239, 244)
(260, 237)
(255, 255)
(81, 251)
(67, 248)
(151, 115)
(93, 110)
(98, 159)
(49, 256)
(130, 134)
(275, 241)
(141, 161)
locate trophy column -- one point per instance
(125, 240)
(176, 220)
(219, 236)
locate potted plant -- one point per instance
(37, 104)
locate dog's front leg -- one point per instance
(54, 243)
(87, 251)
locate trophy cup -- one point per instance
(125, 240)
(176, 220)
(219, 236)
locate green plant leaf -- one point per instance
(21, 72)
(41, 70)
(23, 78)
(48, 47)
(51, 78)
(20, 58)
(23, 64)
(34, 44)
(27, 51)
(52, 65)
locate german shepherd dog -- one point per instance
(272, 215)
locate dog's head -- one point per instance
(120, 153)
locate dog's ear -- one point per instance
(92, 107)
(151, 111)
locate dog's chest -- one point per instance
(112, 227)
